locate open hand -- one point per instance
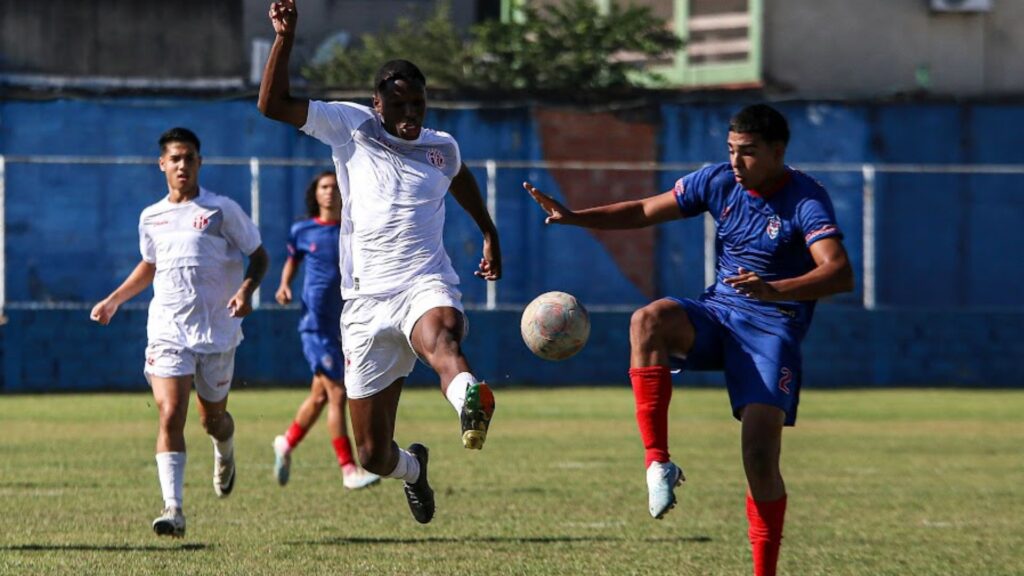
(557, 214)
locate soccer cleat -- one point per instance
(223, 476)
(360, 479)
(662, 478)
(282, 460)
(171, 522)
(419, 494)
(476, 415)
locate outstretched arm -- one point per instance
(621, 215)
(240, 304)
(467, 193)
(275, 101)
(832, 274)
(137, 281)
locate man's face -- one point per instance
(402, 106)
(753, 160)
(180, 164)
(327, 195)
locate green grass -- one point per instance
(880, 483)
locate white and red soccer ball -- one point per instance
(555, 326)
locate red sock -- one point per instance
(765, 519)
(652, 391)
(343, 451)
(295, 434)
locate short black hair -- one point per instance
(179, 134)
(761, 119)
(398, 70)
(312, 206)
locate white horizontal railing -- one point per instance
(491, 167)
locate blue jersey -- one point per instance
(769, 235)
(316, 242)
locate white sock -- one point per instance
(223, 448)
(408, 467)
(456, 392)
(170, 467)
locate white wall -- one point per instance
(844, 48)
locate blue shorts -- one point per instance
(323, 352)
(760, 356)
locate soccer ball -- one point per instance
(555, 326)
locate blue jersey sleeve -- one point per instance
(816, 218)
(294, 248)
(695, 191)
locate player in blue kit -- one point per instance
(779, 250)
(315, 242)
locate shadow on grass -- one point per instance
(344, 541)
(100, 548)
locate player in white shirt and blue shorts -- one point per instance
(400, 290)
(193, 245)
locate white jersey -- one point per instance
(198, 248)
(393, 193)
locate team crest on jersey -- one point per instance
(436, 158)
(774, 225)
(312, 247)
(201, 221)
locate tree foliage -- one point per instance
(570, 49)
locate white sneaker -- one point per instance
(662, 477)
(282, 460)
(360, 479)
(223, 475)
(171, 522)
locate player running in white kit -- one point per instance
(193, 245)
(399, 287)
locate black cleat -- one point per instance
(419, 494)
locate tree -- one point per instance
(570, 50)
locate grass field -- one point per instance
(880, 482)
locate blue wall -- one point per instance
(944, 242)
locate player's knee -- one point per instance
(319, 400)
(760, 461)
(172, 416)
(645, 326)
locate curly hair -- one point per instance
(312, 206)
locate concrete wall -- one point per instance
(833, 48)
(122, 38)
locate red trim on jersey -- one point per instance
(767, 194)
(326, 222)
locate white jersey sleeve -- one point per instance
(146, 244)
(238, 228)
(334, 122)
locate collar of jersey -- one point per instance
(167, 199)
(771, 192)
(326, 222)
(398, 140)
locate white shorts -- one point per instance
(376, 334)
(212, 372)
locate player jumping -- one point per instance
(401, 300)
